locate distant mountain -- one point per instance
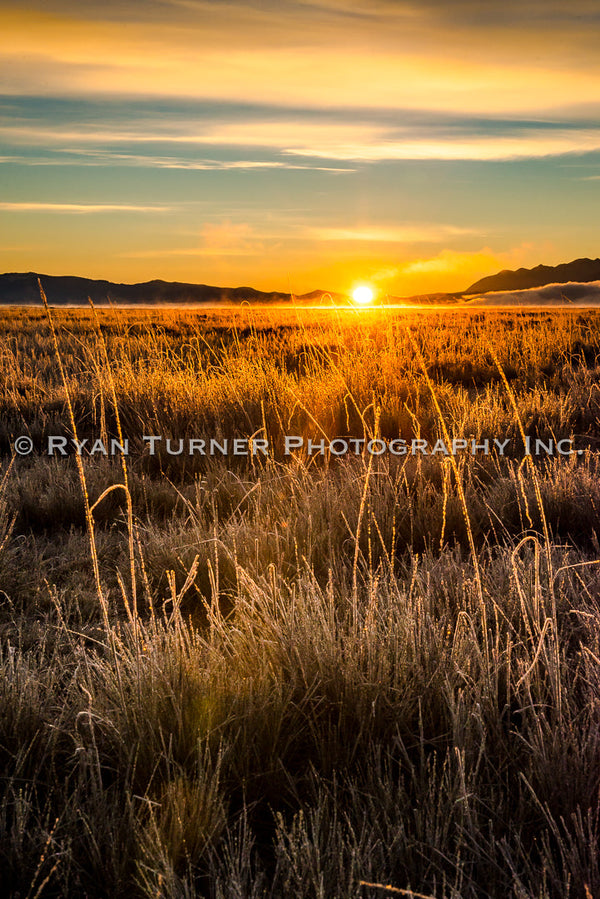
(580, 270)
(22, 290)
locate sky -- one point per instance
(311, 144)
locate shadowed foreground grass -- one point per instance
(301, 674)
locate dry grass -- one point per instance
(311, 677)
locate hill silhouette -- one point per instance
(580, 270)
(21, 289)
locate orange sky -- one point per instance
(298, 146)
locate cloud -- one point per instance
(215, 239)
(385, 274)
(448, 261)
(208, 165)
(227, 238)
(191, 135)
(106, 158)
(81, 207)
(478, 147)
(457, 57)
(238, 131)
(408, 233)
(182, 252)
(275, 138)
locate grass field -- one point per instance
(300, 675)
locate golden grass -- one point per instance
(307, 676)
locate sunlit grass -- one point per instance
(282, 676)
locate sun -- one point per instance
(363, 296)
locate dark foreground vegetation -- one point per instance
(274, 676)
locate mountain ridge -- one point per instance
(581, 271)
(21, 289)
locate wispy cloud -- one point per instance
(481, 147)
(409, 233)
(81, 207)
(238, 131)
(284, 141)
(206, 165)
(183, 252)
(459, 261)
(224, 238)
(99, 158)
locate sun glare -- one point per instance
(363, 296)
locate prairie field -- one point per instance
(300, 674)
